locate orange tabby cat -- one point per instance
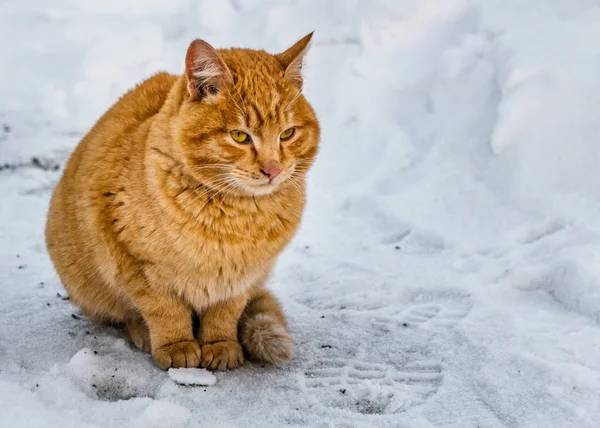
(179, 201)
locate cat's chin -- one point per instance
(260, 189)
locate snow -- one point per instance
(162, 414)
(192, 377)
(447, 272)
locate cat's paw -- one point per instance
(184, 354)
(222, 355)
(139, 335)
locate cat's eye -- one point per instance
(239, 136)
(287, 134)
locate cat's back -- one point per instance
(114, 138)
(105, 158)
(132, 110)
(140, 103)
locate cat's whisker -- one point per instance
(232, 99)
(213, 166)
(301, 171)
(195, 216)
(302, 168)
(217, 181)
(243, 175)
(241, 98)
(293, 100)
(303, 165)
(217, 185)
(236, 185)
(304, 162)
(214, 185)
(296, 185)
(213, 196)
(242, 112)
(295, 181)
(223, 185)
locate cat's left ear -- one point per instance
(206, 72)
(292, 59)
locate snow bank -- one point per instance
(572, 278)
(106, 378)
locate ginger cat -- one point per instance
(179, 201)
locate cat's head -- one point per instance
(244, 126)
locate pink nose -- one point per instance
(271, 169)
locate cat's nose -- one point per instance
(271, 169)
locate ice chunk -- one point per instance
(192, 377)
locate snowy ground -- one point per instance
(447, 273)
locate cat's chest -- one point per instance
(245, 238)
(229, 242)
(218, 264)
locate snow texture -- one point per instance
(447, 272)
(192, 377)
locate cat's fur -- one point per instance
(160, 214)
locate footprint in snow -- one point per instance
(433, 317)
(346, 386)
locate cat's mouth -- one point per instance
(256, 185)
(263, 188)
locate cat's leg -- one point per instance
(218, 334)
(139, 333)
(263, 329)
(169, 323)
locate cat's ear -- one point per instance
(206, 72)
(292, 59)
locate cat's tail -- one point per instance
(263, 330)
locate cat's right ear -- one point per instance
(206, 72)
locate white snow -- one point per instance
(447, 273)
(192, 377)
(162, 414)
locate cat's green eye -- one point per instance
(287, 134)
(239, 136)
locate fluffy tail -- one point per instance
(263, 331)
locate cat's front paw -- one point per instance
(184, 354)
(222, 355)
